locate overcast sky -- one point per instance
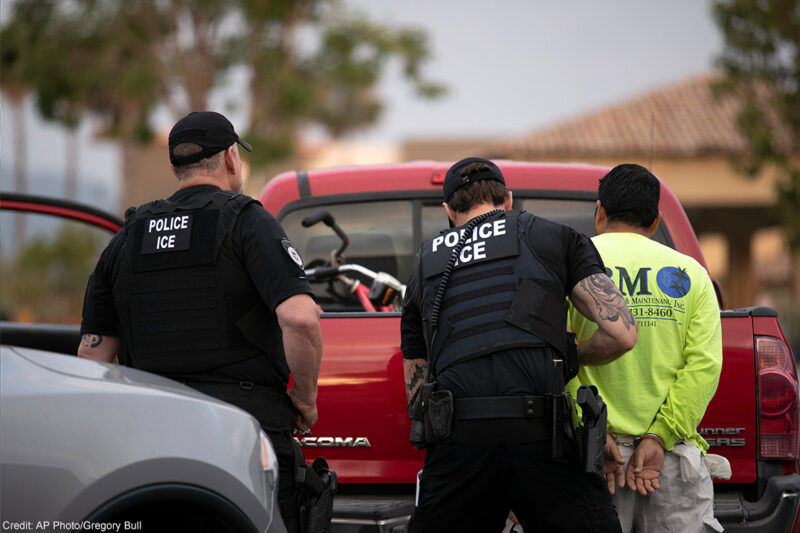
(516, 65)
(511, 66)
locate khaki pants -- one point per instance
(684, 502)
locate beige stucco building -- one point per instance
(689, 138)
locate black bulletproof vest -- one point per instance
(499, 297)
(174, 290)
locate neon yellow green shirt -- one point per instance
(665, 383)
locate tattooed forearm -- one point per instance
(102, 348)
(92, 341)
(607, 299)
(419, 375)
(414, 370)
(600, 301)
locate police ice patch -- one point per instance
(168, 233)
(292, 252)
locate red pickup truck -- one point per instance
(380, 215)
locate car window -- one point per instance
(45, 263)
(578, 214)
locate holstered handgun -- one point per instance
(593, 432)
(318, 485)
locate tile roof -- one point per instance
(685, 119)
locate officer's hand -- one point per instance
(306, 413)
(645, 467)
(613, 465)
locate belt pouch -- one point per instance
(440, 414)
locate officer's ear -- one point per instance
(230, 159)
(509, 202)
(451, 215)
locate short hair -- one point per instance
(209, 163)
(477, 192)
(630, 193)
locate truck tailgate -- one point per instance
(730, 424)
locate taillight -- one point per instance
(437, 178)
(777, 398)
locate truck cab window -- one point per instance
(578, 214)
(381, 235)
(385, 236)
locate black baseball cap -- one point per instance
(455, 179)
(212, 131)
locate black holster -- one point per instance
(591, 437)
(431, 415)
(318, 485)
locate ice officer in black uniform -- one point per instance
(205, 288)
(487, 305)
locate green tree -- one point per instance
(761, 62)
(46, 279)
(18, 41)
(308, 62)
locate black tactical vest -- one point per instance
(500, 295)
(175, 293)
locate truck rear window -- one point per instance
(385, 235)
(578, 214)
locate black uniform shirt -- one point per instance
(256, 242)
(565, 252)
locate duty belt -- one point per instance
(534, 407)
(219, 385)
(272, 408)
(246, 390)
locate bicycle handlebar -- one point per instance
(318, 216)
(328, 220)
(331, 271)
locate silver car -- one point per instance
(87, 446)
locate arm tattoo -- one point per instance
(92, 341)
(607, 299)
(414, 370)
(416, 379)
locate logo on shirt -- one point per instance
(292, 252)
(674, 281)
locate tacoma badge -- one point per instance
(334, 442)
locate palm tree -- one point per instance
(119, 60)
(15, 90)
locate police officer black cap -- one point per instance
(455, 179)
(212, 131)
